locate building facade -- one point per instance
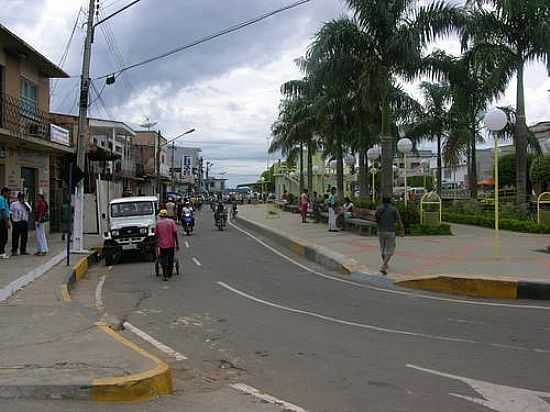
(33, 150)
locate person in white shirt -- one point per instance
(20, 214)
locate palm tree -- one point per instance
(516, 33)
(434, 121)
(396, 33)
(472, 87)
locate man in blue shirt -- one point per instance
(4, 221)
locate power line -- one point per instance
(228, 30)
(63, 58)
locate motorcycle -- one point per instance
(221, 218)
(188, 222)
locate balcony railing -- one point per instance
(23, 118)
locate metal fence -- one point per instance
(23, 118)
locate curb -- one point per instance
(318, 254)
(481, 287)
(76, 273)
(463, 286)
(137, 387)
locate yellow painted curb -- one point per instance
(136, 387)
(297, 248)
(81, 268)
(64, 293)
(477, 288)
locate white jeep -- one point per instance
(131, 228)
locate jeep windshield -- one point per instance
(128, 209)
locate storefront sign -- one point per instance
(59, 135)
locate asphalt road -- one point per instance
(243, 314)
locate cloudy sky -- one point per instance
(228, 89)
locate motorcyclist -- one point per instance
(220, 212)
(188, 209)
(234, 209)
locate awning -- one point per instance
(487, 182)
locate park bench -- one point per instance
(362, 222)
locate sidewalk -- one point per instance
(467, 254)
(53, 350)
(18, 271)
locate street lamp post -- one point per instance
(373, 154)
(495, 121)
(405, 146)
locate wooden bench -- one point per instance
(363, 222)
(360, 226)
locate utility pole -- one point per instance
(78, 231)
(159, 148)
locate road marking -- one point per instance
(159, 345)
(500, 398)
(186, 244)
(196, 261)
(379, 289)
(372, 327)
(340, 321)
(242, 387)
(99, 293)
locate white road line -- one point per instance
(395, 292)
(99, 293)
(149, 339)
(196, 261)
(367, 326)
(242, 387)
(186, 244)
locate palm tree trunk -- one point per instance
(521, 136)
(439, 165)
(301, 168)
(363, 175)
(340, 176)
(473, 160)
(387, 151)
(310, 168)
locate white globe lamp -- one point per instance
(496, 120)
(373, 153)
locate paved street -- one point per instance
(246, 315)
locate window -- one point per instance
(29, 98)
(187, 161)
(118, 149)
(95, 140)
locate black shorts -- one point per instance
(167, 256)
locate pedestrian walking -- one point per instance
(387, 216)
(41, 218)
(20, 214)
(4, 221)
(332, 201)
(304, 205)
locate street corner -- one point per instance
(76, 273)
(136, 387)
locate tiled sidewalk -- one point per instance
(469, 253)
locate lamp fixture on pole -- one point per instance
(495, 121)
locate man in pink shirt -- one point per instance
(167, 242)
